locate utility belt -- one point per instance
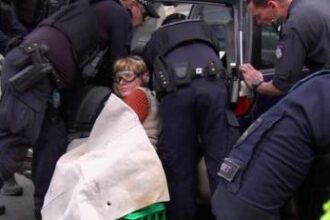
(167, 78)
(33, 66)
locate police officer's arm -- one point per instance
(267, 88)
(250, 74)
(151, 51)
(121, 34)
(290, 54)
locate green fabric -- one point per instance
(326, 208)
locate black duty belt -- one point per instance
(168, 78)
(33, 66)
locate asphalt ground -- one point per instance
(19, 207)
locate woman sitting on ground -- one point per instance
(131, 77)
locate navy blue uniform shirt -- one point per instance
(276, 153)
(305, 40)
(115, 29)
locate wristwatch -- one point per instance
(256, 83)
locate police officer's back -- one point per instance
(284, 154)
(183, 56)
(10, 26)
(31, 12)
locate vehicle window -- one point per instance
(218, 17)
(143, 33)
(264, 43)
(180, 8)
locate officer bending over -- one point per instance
(304, 40)
(187, 75)
(60, 55)
(10, 26)
(285, 150)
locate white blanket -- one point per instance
(112, 173)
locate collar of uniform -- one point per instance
(293, 2)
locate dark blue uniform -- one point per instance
(274, 157)
(304, 40)
(26, 118)
(10, 27)
(195, 118)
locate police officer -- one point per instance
(304, 40)
(49, 64)
(183, 57)
(10, 26)
(31, 12)
(284, 152)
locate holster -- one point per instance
(163, 80)
(182, 73)
(90, 70)
(33, 66)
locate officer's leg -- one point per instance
(3, 42)
(218, 126)
(21, 115)
(178, 152)
(2, 208)
(48, 149)
(12, 188)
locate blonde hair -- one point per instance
(131, 63)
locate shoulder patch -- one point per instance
(278, 52)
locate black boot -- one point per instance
(11, 188)
(2, 208)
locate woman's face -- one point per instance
(126, 81)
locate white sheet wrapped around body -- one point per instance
(110, 174)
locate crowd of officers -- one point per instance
(284, 154)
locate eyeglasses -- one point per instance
(126, 75)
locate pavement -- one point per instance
(19, 207)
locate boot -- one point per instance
(11, 188)
(2, 208)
